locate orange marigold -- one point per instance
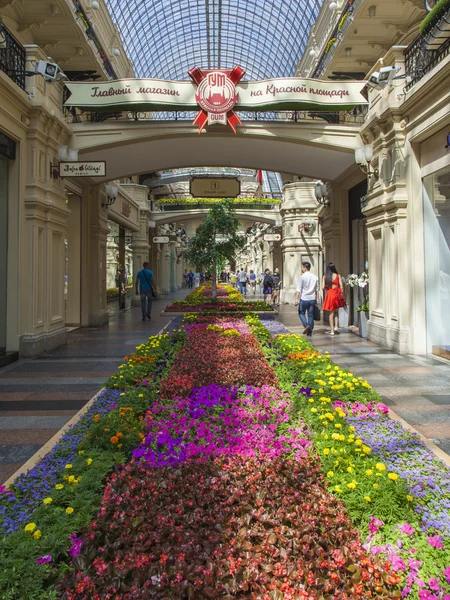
(114, 439)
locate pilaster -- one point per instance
(301, 235)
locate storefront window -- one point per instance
(437, 260)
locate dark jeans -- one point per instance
(307, 305)
(146, 303)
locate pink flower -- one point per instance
(375, 524)
(435, 542)
(42, 560)
(433, 584)
(446, 574)
(3, 490)
(424, 595)
(397, 563)
(407, 528)
(382, 408)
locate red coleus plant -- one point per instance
(225, 528)
(209, 357)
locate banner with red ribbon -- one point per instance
(217, 95)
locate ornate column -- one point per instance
(94, 264)
(301, 235)
(164, 277)
(43, 262)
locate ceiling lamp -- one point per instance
(333, 6)
(95, 5)
(348, 52)
(372, 11)
(116, 51)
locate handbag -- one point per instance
(151, 287)
(316, 314)
(340, 298)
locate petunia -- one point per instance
(435, 541)
(47, 558)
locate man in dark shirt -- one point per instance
(144, 286)
(276, 287)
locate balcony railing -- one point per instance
(12, 57)
(419, 60)
(353, 117)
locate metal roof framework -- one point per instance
(165, 38)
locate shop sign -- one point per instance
(82, 169)
(210, 187)
(161, 240)
(217, 93)
(125, 208)
(272, 237)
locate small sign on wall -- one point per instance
(272, 237)
(161, 240)
(82, 169)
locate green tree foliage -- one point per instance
(216, 241)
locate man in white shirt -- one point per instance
(308, 294)
(243, 282)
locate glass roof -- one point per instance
(166, 38)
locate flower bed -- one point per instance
(394, 489)
(242, 464)
(229, 300)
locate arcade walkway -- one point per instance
(37, 397)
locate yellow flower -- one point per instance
(81, 452)
(47, 500)
(314, 410)
(140, 395)
(367, 499)
(30, 527)
(326, 451)
(376, 486)
(69, 510)
(369, 472)
(59, 486)
(351, 428)
(122, 393)
(380, 467)
(366, 450)
(351, 485)
(330, 474)
(37, 534)
(338, 425)
(409, 498)
(89, 462)
(68, 467)
(393, 476)
(350, 469)
(358, 442)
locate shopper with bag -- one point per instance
(334, 297)
(307, 293)
(144, 287)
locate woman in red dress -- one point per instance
(332, 284)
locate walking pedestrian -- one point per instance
(190, 279)
(252, 279)
(308, 294)
(267, 284)
(276, 287)
(243, 282)
(334, 297)
(145, 287)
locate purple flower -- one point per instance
(77, 544)
(43, 560)
(435, 541)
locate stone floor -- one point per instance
(38, 396)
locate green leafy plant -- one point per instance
(207, 250)
(434, 16)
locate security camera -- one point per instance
(49, 71)
(387, 74)
(373, 80)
